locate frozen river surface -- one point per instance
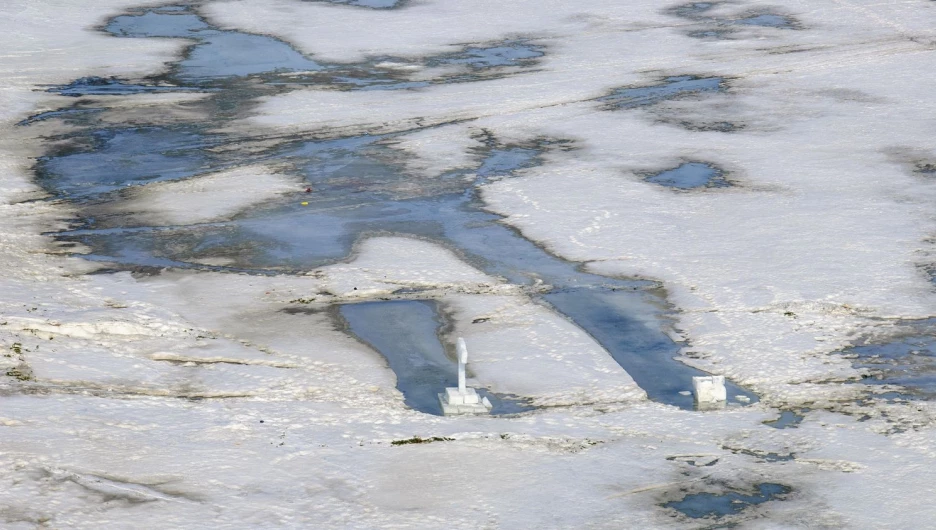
(240, 239)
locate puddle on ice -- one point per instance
(669, 88)
(507, 160)
(909, 362)
(509, 53)
(787, 420)
(63, 114)
(157, 23)
(372, 83)
(100, 86)
(406, 333)
(373, 4)
(218, 53)
(690, 175)
(713, 505)
(221, 54)
(693, 10)
(118, 157)
(768, 20)
(360, 187)
(710, 33)
(699, 12)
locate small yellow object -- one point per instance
(305, 203)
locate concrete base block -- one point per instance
(453, 402)
(709, 390)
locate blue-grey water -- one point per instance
(690, 175)
(640, 349)
(788, 420)
(692, 10)
(908, 362)
(119, 157)
(372, 4)
(359, 187)
(704, 505)
(669, 88)
(100, 86)
(407, 334)
(719, 27)
(509, 53)
(766, 20)
(62, 114)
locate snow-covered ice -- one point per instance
(758, 177)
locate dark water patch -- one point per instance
(887, 397)
(690, 175)
(406, 333)
(670, 88)
(478, 62)
(354, 181)
(473, 63)
(220, 53)
(217, 53)
(63, 114)
(714, 505)
(507, 160)
(418, 440)
(158, 23)
(718, 126)
(371, 4)
(767, 20)
(378, 83)
(507, 53)
(700, 12)
(121, 157)
(297, 238)
(228, 53)
(499, 159)
(787, 420)
(764, 456)
(503, 404)
(101, 86)
(908, 362)
(170, 9)
(639, 345)
(714, 34)
(695, 460)
(692, 10)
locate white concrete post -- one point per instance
(462, 361)
(463, 400)
(709, 389)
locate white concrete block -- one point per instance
(453, 396)
(454, 402)
(709, 389)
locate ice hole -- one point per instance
(703, 505)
